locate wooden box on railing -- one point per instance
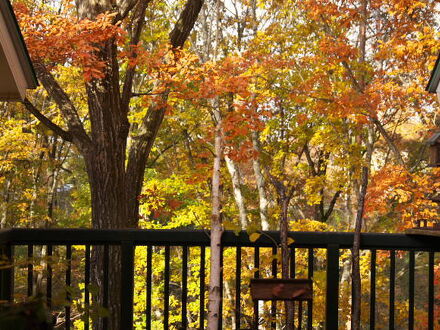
(282, 289)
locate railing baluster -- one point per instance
(49, 277)
(292, 263)
(332, 294)
(237, 287)
(373, 290)
(30, 269)
(392, 287)
(311, 261)
(127, 287)
(184, 286)
(300, 314)
(292, 271)
(307, 241)
(6, 274)
(431, 291)
(166, 290)
(149, 283)
(202, 288)
(105, 283)
(86, 288)
(68, 284)
(273, 310)
(411, 291)
(256, 275)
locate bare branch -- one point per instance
(138, 23)
(309, 160)
(185, 23)
(66, 106)
(134, 94)
(388, 139)
(47, 122)
(125, 6)
(331, 205)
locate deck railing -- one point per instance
(183, 255)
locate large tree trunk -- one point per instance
(105, 164)
(114, 187)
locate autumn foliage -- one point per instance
(309, 92)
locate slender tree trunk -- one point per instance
(284, 230)
(234, 171)
(356, 274)
(216, 229)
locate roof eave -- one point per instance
(434, 80)
(19, 44)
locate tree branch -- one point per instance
(309, 160)
(124, 9)
(68, 110)
(134, 94)
(141, 147)
(185, 23)
(66, 136)
(331, 205)
(138, 23)
(388, 139)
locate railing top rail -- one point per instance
(182, 237)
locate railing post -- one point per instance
(332, 294)
(127, 285)
(6, 273)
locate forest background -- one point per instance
(306, 95)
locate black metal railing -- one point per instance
(396, 259)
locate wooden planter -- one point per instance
(282, 289)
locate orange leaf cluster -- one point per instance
(394, 190)
(54, 39)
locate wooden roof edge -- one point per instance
(19, 44)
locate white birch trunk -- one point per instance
(234, 171)
(264, 202)
(216, 230)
